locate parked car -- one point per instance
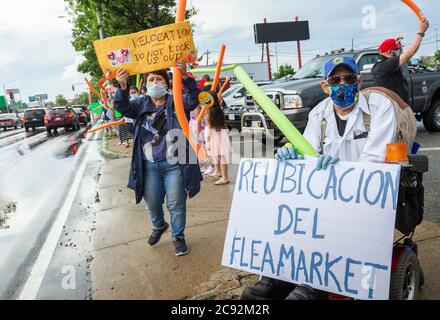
(82, 115)
(85, 109)
(235, 100)
(34, 118)
(297, 95)
(64, 117)
(10, 120)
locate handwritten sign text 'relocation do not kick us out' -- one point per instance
(146, 51)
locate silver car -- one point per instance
(10, 120)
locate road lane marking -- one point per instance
(33, 283)
(430, 149)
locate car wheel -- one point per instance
(431, 120)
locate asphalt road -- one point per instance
(46, 196)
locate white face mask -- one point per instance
(133, 95)
(156, 90)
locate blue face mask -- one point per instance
(345, 95)
(156, 90)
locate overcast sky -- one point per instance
(36, 50)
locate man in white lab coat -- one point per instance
(338, 126)
(347, 127)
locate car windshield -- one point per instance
(33, 113)
(233, 89)
(313, 69)
(6, 115)
(58, 111)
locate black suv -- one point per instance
(34, 118)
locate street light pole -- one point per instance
(98, 17)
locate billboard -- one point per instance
(41, 97)
(2, 102)
(32, 99)
(281, 31)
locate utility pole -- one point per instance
(298, 48)
(98, 17)
(436, 38)
(276, 54)
(268, 57)
(207, 53)
(262, 52)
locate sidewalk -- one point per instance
(125, 267)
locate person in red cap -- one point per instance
(387, 72)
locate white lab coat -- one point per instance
(383, 128)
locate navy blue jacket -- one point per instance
(138, 109)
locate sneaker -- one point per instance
(209, 170)
(156, 234)
(268, 289)
(180, 247)
(305, 292)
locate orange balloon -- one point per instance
(177, 94)
(113, 123)
(415, 8)
(219, 68)
(140, 85)
(222, 89)
(92, 88)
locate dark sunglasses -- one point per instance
(349, 78)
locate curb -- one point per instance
(109, 154)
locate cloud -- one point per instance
(36, 48)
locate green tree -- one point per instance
(83, 98)
(60, 100)
(50, 104)
(437, 58)
(284, 70)
(118, 18)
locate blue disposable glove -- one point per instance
(325, 161)
(288, 152)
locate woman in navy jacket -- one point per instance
(157, 168)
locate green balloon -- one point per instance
(287, 128)
(94, 108)
(197, 71)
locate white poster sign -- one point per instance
(332, 229)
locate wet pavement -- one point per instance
(37, 173)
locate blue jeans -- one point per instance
(162, 178)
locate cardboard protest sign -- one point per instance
(146, 51)
(332, 229)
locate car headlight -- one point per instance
(292, 101)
